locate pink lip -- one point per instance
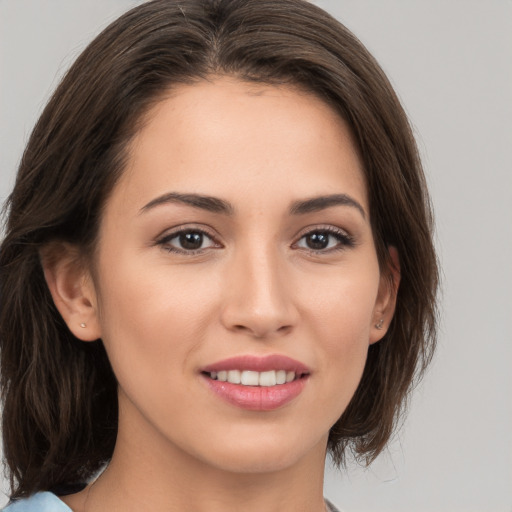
(258, 364)
(257, 398)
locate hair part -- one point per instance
(60, 394)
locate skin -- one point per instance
(254, 287)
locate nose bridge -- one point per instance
(258, 300)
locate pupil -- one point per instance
(317, 240)
(191, 240)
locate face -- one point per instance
(237, 245)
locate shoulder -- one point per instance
(331, 507)
(39, 502)
(48, 502)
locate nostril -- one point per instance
(261, 333)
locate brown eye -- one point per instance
(187, 241)
(191, 240)
(318, 240)
(325, 240)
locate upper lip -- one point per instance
(258, 364)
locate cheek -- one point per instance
(343, 308)
(152, 318)
(340, 319)
(154, 324)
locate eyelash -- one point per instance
(344, 240)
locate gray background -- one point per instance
(451, 63)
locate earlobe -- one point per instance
(72, 289)
(386, 300)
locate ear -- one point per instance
(72, 289)
(386, 298)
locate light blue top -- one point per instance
(39, 502)
(48, 502)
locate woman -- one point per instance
(217, 265)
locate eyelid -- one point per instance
(322, 227)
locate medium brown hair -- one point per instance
(60, 394)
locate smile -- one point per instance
(252, 378)
(257, 383)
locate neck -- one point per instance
(294, 489)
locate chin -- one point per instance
(264, 453)
(254, 463)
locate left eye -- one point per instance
(322, 240)
(187, 241)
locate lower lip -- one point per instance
(257, 398)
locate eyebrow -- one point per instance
(216, 205)
(208, 203)
(319, 203)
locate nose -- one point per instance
(258, 296)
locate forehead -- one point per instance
(227, 138)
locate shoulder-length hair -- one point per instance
(60, 394)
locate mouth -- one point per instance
(253, 378)
(257, 383)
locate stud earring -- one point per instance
(380, 324)
(83, 325)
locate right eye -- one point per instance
(187, 241)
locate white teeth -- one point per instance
(281, 376)
(251, 378)
(234, 376)
(268, 378)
